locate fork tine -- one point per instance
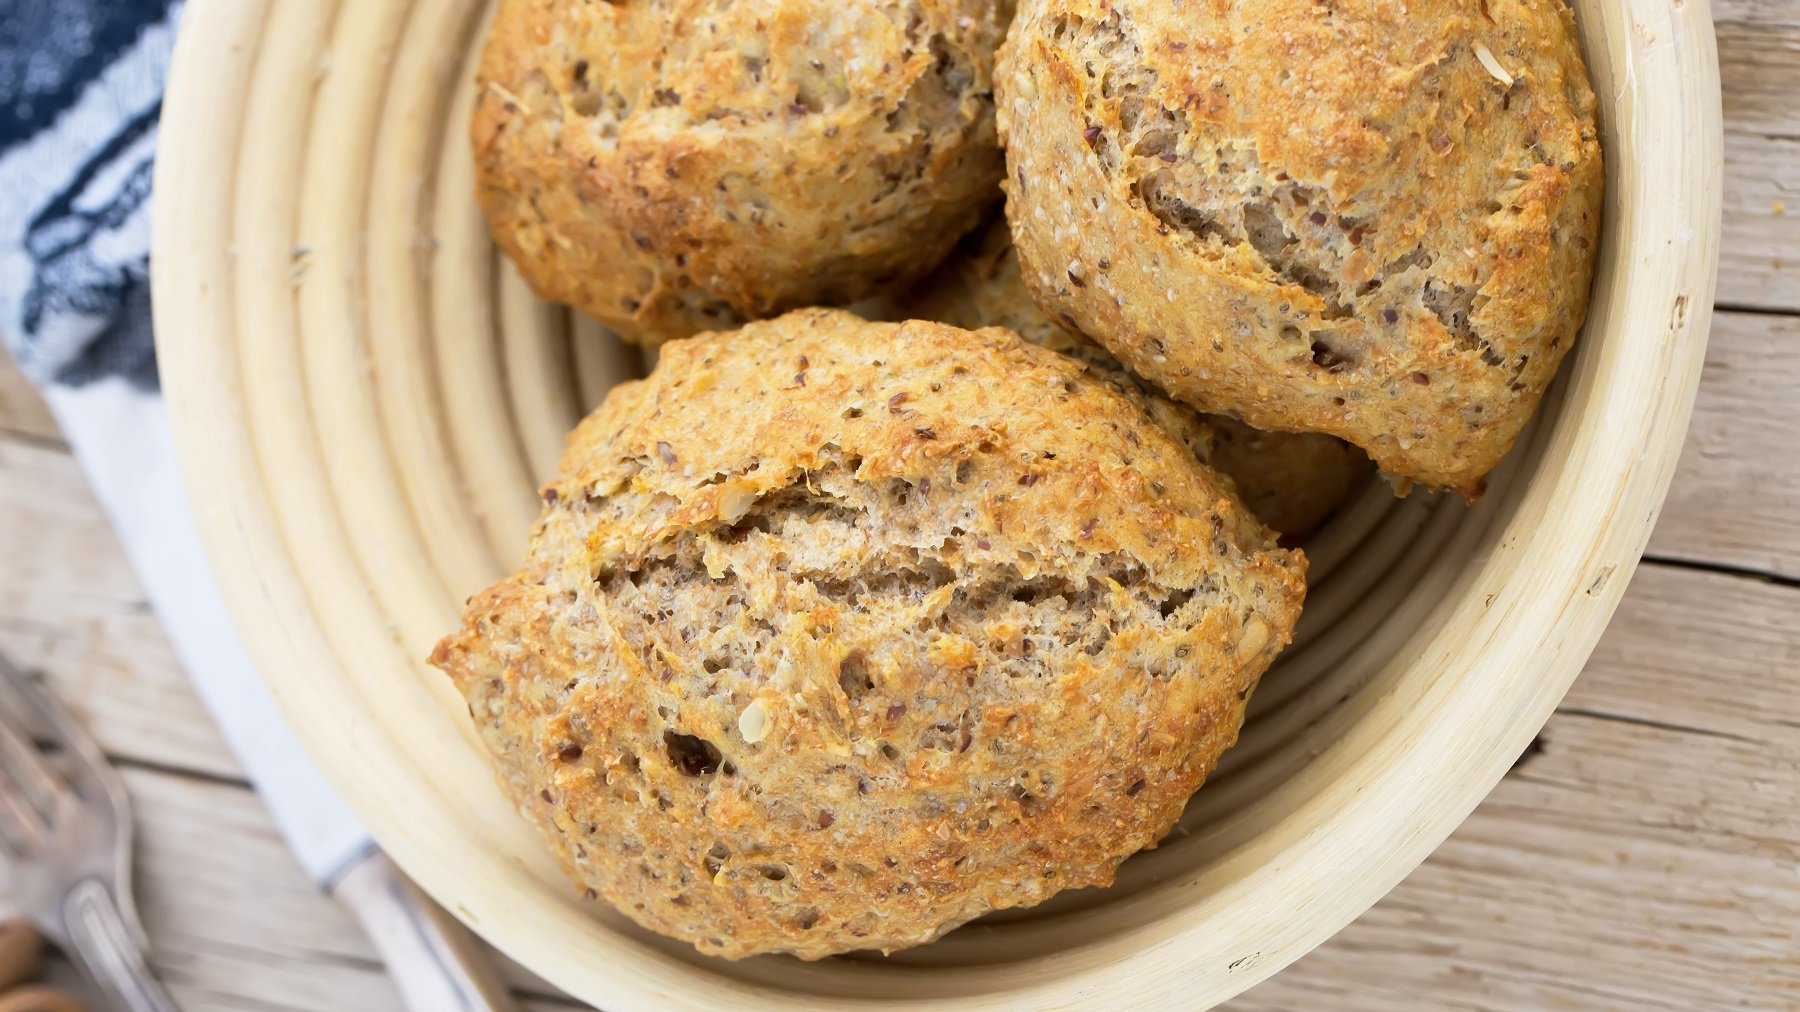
(29, 785)
(27, 793)
(22, 829)
(86, 763)
(26, 769)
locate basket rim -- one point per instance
(1420, 772)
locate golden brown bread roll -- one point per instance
(836, 634)
(1375, 219)
(1292, 481)
(671, 166)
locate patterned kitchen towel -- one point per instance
(80, 91)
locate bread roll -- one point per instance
(1292, 481)
(837, 634)
(672, 166)
(1372, 219)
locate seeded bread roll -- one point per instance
(1292, 481)
(836, 634)
(1376, 221)
(671, 166)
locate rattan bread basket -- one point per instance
(365, 396)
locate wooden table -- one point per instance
(1644, 854)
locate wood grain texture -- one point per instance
(71, 609)
(1759, 254)
(1757, 69)
(1736, 496)
(1644, 855)
(290, 947)
(22, 411)
(1757, 13)
(236, 922)
(245, 928)
(337, 591)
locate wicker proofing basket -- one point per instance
(364, 395)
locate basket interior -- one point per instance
(401, 393)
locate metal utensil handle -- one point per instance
(103, 946)
(434, 961)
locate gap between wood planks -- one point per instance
(1584, 823)
(1651, 809)
(220, 956)
(1734, 509)
(1715, 567)
(1740, 452)
(71, 610)
(1640, 855)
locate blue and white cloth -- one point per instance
(80, 91)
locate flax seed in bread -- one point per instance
(671, 166)
(834, 635)
(1374, 219)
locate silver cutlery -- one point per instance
(435, 962)
(65, 843)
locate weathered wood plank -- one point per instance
(1645, 858)
(1759, 247)
(70, 607)
(245, 928)
(1758, 65)
(1736, 496)
(22, 411)
(1757, 13)
(289, 948)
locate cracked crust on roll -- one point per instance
(1373, 219)
(673, 166)
(834, 635)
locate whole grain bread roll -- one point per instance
(1292, 481)
(1375, 220)
(834, 635)
(671, 166)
